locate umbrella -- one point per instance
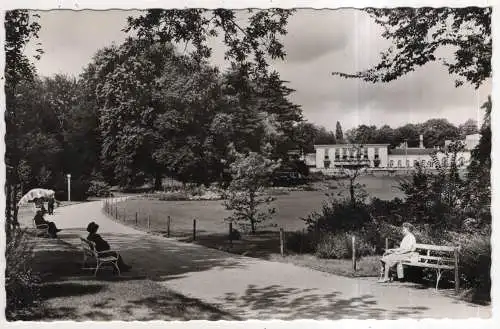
(36, 194)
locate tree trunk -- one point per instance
(158, 181)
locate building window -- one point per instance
(376, 153)
(337, 154)
(461, 161)
(365, 153)
(400, 163)
(430, 164)
(408, 163)
(391, 163)
(344, 153)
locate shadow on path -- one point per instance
(275, 301)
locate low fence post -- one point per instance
(457, 275)
(282, 243)
(194, 229)
(231, 234)
(354, 253)
(302, 241)
(136, 215)
(149, 222)
(168, 226)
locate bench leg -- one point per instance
(439, 273)
(117, 268)
(97, 268)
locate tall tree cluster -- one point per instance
(434, 131)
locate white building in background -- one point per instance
(330, 158)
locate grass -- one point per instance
(291, 207)
(265, 245)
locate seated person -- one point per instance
(39, 220)
(102, 245)
(406, 251)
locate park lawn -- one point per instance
(209, 215)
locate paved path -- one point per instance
(258, 289)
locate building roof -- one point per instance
(411, 151)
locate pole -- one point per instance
(168, 227)
(386, 244)
(282, 244)
(354, 253)
(457, 276)
(194, 229)
(136, 215)
(149, 222)
(302, 240)
(231, 233)
(69, 186)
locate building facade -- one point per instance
(329, 158)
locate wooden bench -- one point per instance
(41, 230)
(438, 258)
(101, 258)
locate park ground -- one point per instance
(187, 281)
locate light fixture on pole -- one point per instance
(69, 186)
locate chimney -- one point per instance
(421, 141)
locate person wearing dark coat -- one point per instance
(50, 206)
(102, 245)
(52, 228)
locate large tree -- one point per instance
(418, 34)
(250, 38)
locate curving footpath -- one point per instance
(257, 289)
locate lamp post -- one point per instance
(69, 186)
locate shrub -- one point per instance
(300, 242)
(338, 216)
(99, 188)
(339, 246)
(234, 235)
(475, 262)
(174, 196)
(21, 283)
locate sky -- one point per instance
(318, 42)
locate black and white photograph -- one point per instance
(219, 163)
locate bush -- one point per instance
(339, 246)
(99, 189)
(21, 283)
(174, 196)
(339, 216)
(475, 263)
(300, 242)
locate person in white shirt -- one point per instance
(406, 251)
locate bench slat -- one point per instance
(429, 265)
(433, 247)
(444, 259)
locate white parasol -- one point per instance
(36, 194)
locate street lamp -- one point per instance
(69, 186)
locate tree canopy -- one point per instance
(418, 34)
